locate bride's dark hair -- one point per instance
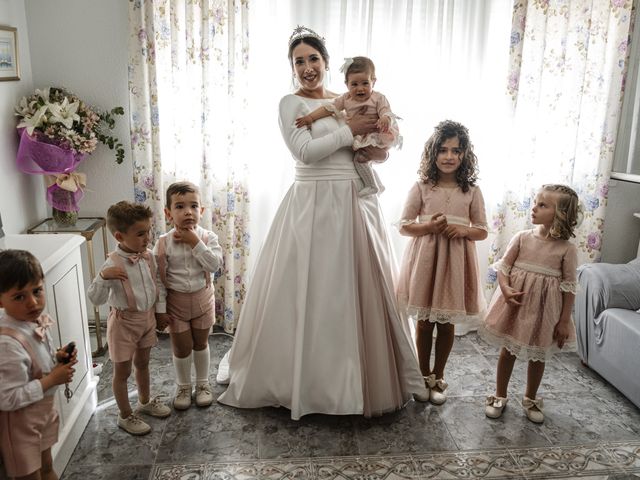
(312, 42)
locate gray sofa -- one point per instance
(608, 325)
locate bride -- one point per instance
(320, 331)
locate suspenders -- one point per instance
(36, 371)
(126, 284)
(162, 260)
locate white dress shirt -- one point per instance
(142, 283)
(17, 388)
(186, 266)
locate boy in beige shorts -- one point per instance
(186, 257)
(30, 371)
(128, 282)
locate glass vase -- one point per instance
(64, 219)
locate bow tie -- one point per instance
(44, 322)
(135, 258)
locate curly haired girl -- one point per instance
(439, 282)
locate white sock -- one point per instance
(201, 360)
(183, 370)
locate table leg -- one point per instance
(96, 311)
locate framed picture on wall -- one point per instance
(9, 66)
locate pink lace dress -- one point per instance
(439, 278)
(544, 269)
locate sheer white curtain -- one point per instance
(435, 59)
(568, 63)
(187, 82)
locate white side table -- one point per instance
(87, 227)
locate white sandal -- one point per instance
(437, 397)
(533, 409)
(494, 406)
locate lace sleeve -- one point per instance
(501, 266)
(569, 287)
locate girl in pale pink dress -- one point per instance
(439, 282)
(530, 314)
(360, 78)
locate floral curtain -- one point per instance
(187, 84)
(566, 81)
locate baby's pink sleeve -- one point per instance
(412, 206)
(383, 107)
(338, 103)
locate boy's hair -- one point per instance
(18, 268)
(467, 173)
(361, 65)
(124, 214)
(567, 211)
(180, 188)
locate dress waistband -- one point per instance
(305, 173)
(530, 267)
(451, 219)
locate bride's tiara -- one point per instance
(304, 32)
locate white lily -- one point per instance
(64, 113)
(44, 94)
(22, 108)
(37, 120)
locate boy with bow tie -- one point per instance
(128, 282)
(30, 369)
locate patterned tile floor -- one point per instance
(591, 432)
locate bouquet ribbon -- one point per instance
(71, 182)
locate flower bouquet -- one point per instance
(57, 131)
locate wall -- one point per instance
(621, 228)
(82, 45)
(22, 201)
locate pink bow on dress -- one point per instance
(44, 322)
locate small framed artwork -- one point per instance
(9, 66)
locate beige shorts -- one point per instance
(129, 331)
(25, 434)
(188, 311)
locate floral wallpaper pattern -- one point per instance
(566, 81)
(187, 87)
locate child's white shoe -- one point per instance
(154, 407)
(133, 424)
(204, 397)
(436, 389)
(222, 377)
(533, 409)
(494, 406)
(182, 400)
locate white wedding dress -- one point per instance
(319, 330)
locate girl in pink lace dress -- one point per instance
(439, 282)
(360, 78)
(530, 314)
